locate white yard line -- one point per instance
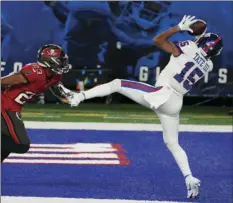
(139, 118)
(123, 126)
(6, 199)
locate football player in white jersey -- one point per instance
(189, 62)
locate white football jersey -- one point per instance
(183, 71)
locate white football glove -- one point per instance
(186, 22)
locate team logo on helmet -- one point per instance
(51, 52)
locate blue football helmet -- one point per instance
(211, 44)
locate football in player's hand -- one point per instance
(198, 28)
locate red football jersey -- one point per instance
(15, 96)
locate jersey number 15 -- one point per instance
(189, 81)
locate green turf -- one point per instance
(121, 113)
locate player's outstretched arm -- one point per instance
(162, 41)
(14, 79)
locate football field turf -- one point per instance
(115, 154)
(123, 113)
(89, 163)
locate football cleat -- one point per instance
(192, 185)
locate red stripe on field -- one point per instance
(118, 147)
(124, 162)
(121, 156)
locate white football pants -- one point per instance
(168, 111)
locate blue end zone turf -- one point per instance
(151, 175)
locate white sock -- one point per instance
(181, 159)
(103, 90)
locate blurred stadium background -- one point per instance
(107, 40)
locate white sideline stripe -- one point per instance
(123, 126)
(68, 156)
(69, 150)
(65, 161)
(7, 199)
(77, 145)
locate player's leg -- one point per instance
(4, 154)
(4, 134)
(170, 127)
(130, 89)
(168, 114)
(13, 134)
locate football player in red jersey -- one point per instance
(34, 78)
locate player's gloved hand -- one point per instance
(185, 23)
(192, 185)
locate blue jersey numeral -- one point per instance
(190, 81)
(184, 43)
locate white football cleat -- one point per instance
(76, 99)
(192, 185)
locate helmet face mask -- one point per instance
(61, 65)
(54, 58)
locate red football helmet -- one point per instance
(53, 57)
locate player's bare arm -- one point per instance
(162, 41)
(14, 79)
